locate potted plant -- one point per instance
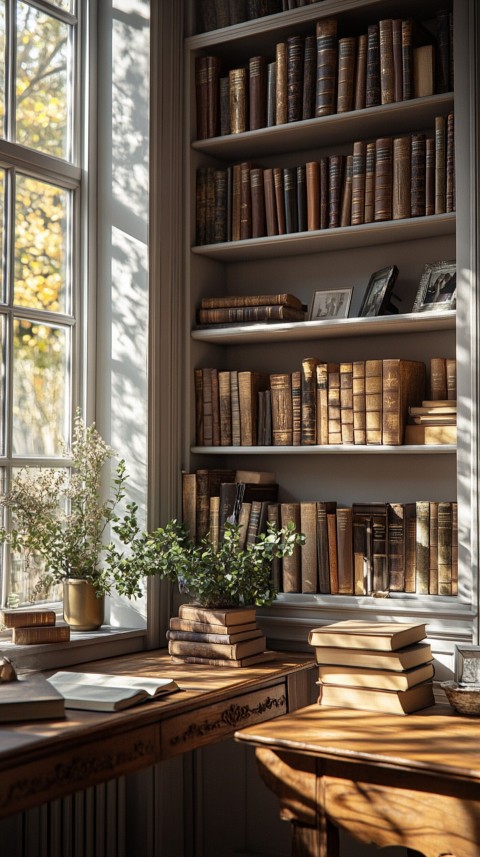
(62, 518)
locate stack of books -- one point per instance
(432, 422)
(250, 308)
(382, 666)
(31, 627)
(225, 638)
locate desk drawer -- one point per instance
(220, 720)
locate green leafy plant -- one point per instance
(62, 519)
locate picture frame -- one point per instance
(438, 288)
(376, 300)
(330, 303)
(468, 665)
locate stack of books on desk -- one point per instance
(227, 638)
(375, 666)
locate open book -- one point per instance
(101, 692)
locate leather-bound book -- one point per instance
(234, 394)
(396, 546)
(324, 193)
(245, 201)
(308, 551)
(358, 397)
(358, 182)
(445, 547)
(433, 541)
(346, 73)
(372, 85)
(334, 412)
(201, 96)
(332, 551)
(249, 384)
(224, 105)
(279, 199)
(291, 565)
(210, 206)
(220, 225)
(296, 407)
(290, 196)
(401, 206)
(322, 403)
(270, 204)
(438, 379)
(346, 207)
(189, 503)
(429, 176)
(236, 202)
(238, 11)
(324, 508)
(440, 165)
(369, 182)
(407, 58)
(222, 12)
(312, 173)
(225, 407)
(373, 401)
(422, 546)
(360, 79)
(345, 550)
(336, 164)
(295, 49)
(397, 59)
(386, 61)
(443, 51)
(215, 407)
(403, 385)
(259, 226)
(201, 207)
(271, 94)
(208, 485)
(301, 198)
(238, 100)
(213, 96)
(309, 401)
(451, 375)
(454, 547)
(206, 19)
(383, 178)
(257, 83)
(282, 414)
(198, 390)
(423, 71)
(327, 58)
(281, 83)
(450, 164)
(346, 402)
(418, 175)
(309, 77)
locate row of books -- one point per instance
(216, 14)
(377, 666)
(390, 178)
(321, 74)
(349, 550)
(359, 402)
(225, 638)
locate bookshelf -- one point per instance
(303, 262)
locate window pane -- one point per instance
(2, 68)
(42, 227)
(43, 82)
(41, 388)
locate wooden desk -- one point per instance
(44, 760)
(386, 779)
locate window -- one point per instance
(40, 187)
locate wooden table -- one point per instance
(386, 779)
(43, 760)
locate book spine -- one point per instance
(396, 547)
(397, 59)
(28, 618)
(198, 392)
(236, 202)
(273, 516)
(433, 549)
(322, 403)
(210, 206)
(257, 79)
(373, 401)
(225, 408)
(407, 59)
(438, 379)
(452, 63)
(295, 51)
(253, 522)
(445, 532)
(345, 550)
(296, 378)
(401, 206)
(333, 552)
(214, 521)
(279, 199)
(220, 223)
(201, 207)
(369, 183)
(326, 81)
(443, 51)
(271, 94)
(358, 393)
(346, 402)
(224, 105)
(450, 165)
(454, 548)
(324, 190)
(308, 402)
(418, 173)
(372, 84)
(234, 394)
(308, 526)
(451, 376)
(410, 525)
(213, 96)
(312, 177)
(301, 198)
(346, 70)
(245, 201)
(440, 165)
(282, 414)
(241, 301)
(360, 79)
(281, 83)
(334, 412)
(336, 165)
(358, 182)
(243, 520)
(379, 553)
(387, 82)
(309, 77)
(429, 176)
(291, 565)
(207, 407)
(392, 421)
(323, 563)
(383, 178)
(40, 634)
(346, 207)
(422, 546)
(290, 196)
(201, 97)
(423, 71)
(361, 576)
(259, 224)
(215, 408)
(248, 385)
(238, 100)
(270, 203)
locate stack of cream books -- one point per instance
(378, 666)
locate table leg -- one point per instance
(322, 841)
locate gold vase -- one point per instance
(82, 610)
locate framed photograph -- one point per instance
(332, 303)
(468, 665)
(438, 288)
(376, 300)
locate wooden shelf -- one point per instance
(331, 449)
(324, 240)
(415, 115)
(417, 322)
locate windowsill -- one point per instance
(83, 646)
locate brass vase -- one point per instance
(82, 609)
